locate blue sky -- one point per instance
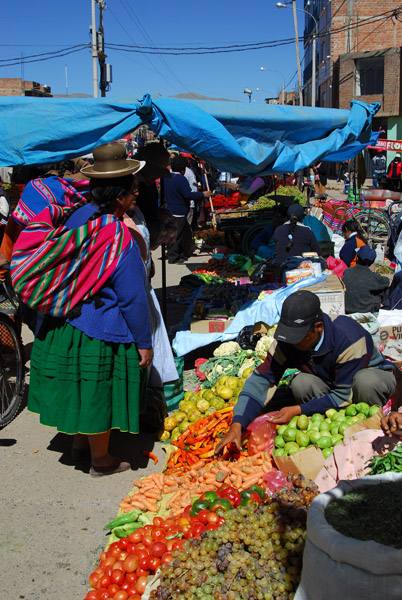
(35, 27)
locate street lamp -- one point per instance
(283, 83)
(313, 85)
(248, 92)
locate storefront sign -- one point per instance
(395, 145)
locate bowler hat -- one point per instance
(299, 311)
(110, 160)
(156, 158)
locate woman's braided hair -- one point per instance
(293, 223)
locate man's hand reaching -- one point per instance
(233, 436)
(285, 414)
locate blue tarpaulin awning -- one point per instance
(238, 137)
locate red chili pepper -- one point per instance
(151, 455)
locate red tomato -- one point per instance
(183, 521)
(114, 545)
(168, 524)
(173, 530)
(121, 595)
(157, 521)
(132, 590)
(109, 561)
(125, 585)
(158, 549)
(91, 595)
(118, 565)
(131, 548)
(154, 563)
(123, 543)
(140, 546)
(158, 533)
(196, 529)
(176, 545)
(212, 526)
(147, 541)
(99, 571)
(135, 597)
(93, 579)
(186, 511)
(105, 581)
(102, 594)
(118, 576)
(144, 563)
(103, 556)
(202, 516)
(148, 529)
(131, 563)
(123, 555)
(169, 544)
(135, 537)
(108, 570)
(131, 577)
(141, 553)
(112, 590)
(140, 572)
(115, 552)
(221, 521)
(166, 558)
(212, 518)
(141, 584)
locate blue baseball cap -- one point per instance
(367, 253)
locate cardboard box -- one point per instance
(331, 293)
(394, 331)
(309, 462)
(209, 325)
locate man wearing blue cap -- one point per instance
(338, 363)
(363, 286)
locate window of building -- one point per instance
(370, 76)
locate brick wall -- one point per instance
(14, 86)
(372, 36)
(345, 82)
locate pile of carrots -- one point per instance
(199, 440)
(198, 478)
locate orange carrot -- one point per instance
(154, 495)
(139, 505)
(151, 506)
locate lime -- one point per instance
(355, 419)
(279, 441)
(363, 407)
(337, 439)
(302, 422)
(340, 415)
(325, 425)
(334, 430)
(293, 450)
(360, 417)
(279, 452)
(373, 410)
(291, 447)
(302, 438)
(325, 441)
(317, 418)
(293, 421)
(344, 425)
(314, 436)
(327, 452)
(330, 413)
(289, 434)
(351, 410)
(281, 429)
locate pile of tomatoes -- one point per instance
(123, 569)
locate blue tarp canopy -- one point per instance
(238, 137)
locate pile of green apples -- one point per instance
(318, 430)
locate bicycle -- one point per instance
(12, 361)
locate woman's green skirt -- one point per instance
(84, 385)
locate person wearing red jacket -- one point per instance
(394, 172)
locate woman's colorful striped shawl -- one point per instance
(39, 193)
(53, 268)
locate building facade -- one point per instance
(13, 86)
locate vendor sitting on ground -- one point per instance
(338, 361)
(364, 287)
(293, 238)
(392, 424)
(354, 241)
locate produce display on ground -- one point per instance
(318, 430)
(389, 462)
(268, 201)
(209, 237)
(220, 267)
(255, 553)
(222, 299)
(357, 514)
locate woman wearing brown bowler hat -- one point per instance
(88, 369)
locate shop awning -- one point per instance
(238, 137)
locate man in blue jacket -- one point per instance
(178, 196)
(338, 361)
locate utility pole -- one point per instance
(101, 50)
(94, 51)
(299, 76)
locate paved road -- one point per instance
(53, 512)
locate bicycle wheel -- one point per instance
(12, 371)
(250, 235)
(375, 226)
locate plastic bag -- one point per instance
(247, 339)
(336, 265)
(262, 434)
(275, 480)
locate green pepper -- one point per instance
(197, 506)
(124, 530)
(250, 494)
(209, 496)
(221, 504)
(258, 490)
(123, 519)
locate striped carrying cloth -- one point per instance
(53, 268)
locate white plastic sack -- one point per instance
(338, 240)
(336, 567)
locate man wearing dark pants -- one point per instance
(178, 196)
(338, 361)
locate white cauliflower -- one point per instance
(249, 363)
(227, 348)
(263, 346)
